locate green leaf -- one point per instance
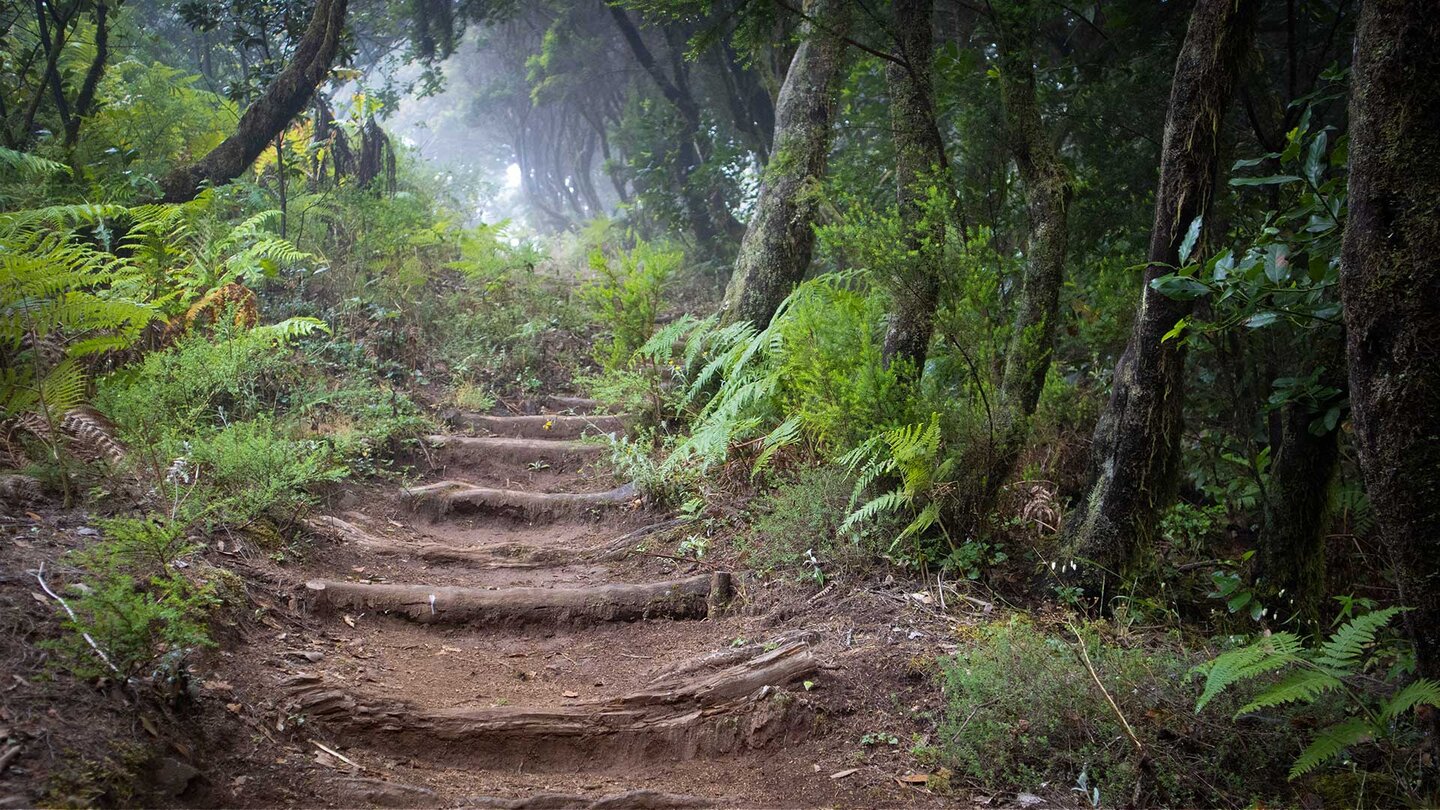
(1270, 180)
(1192, 235)
(1315, 157)
(1260, 319)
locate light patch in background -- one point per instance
(512, 177)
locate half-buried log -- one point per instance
(543, 426)
(738, 708)
(692, 598)
(444, 497)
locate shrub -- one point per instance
(796, 530)
(1022, 710)
(136, 602)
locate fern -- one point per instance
(1329, 743)
(1317, 672)
(1342, 651)
(27, 165)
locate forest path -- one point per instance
(496, 637)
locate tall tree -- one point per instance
(1047, 204)
(919, 163)
(270, 114)
(1390, 287)
(710, 219)
(1134, 458)
(776, 249)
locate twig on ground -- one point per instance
(1085, 657)
(40, 578)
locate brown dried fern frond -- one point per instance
(92, 434)
(88, 433)
(20, 490)
(211, 306)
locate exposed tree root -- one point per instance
(581, 405)
(738, 708)
(511, 555)
(543, 426)
(443, 497)
(359, 791)
(510, 452)
(629, 800)
(732, 656)
(691, 598)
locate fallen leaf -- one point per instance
(149, 726)
(570, 694)
(234, 708)
(913, 779)
(844, 773)
(40, 597)
(350, 620)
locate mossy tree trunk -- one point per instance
(1297, 499)
(1135, 454)
(775, 252)
(1390, 287)
(269, 115)
(919, 163)
(1047, 203)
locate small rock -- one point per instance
(173, 776)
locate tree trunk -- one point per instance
(1047, 203)
(1390, 286)
(1134, 459)
(1292, 537)
(775, 252)
(919, 162)
(286, 96)
(86, 99)
(709, 219)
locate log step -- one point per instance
(487, 451)
(738, 708)
(443, 497)
(543, 426)
(692, 598)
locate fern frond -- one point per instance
(1267, 654)
(291, 329)
(1422, 692)
(1328, 744)
(1342, 650)
(28, 165)
(784, 435)
(1300, 686)
(889, 502)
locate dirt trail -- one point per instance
(491, 637)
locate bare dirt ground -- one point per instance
(513, 650)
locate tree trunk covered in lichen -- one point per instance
(1390, 286)
(919, 164)
(1134, 459)
(270, 114)
(776, 249)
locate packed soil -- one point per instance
(534, 652)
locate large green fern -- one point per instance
(1329, 668)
